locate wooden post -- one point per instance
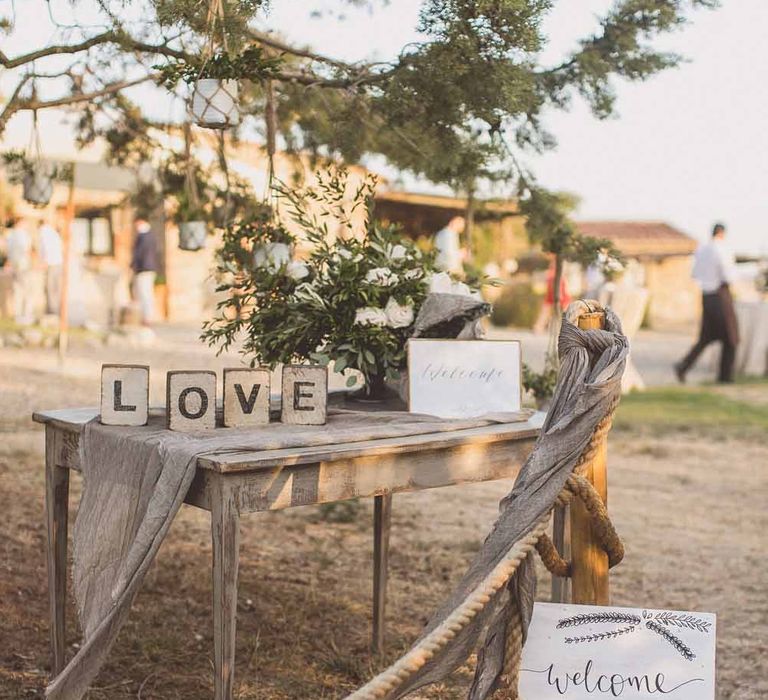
(589, 566)
(66, 236)
(382, 520)
(561, 538)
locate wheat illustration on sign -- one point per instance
(660, 623)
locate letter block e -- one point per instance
(124, 394)
(190, 398)
(305, 394)
(246, 397)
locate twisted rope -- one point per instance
(416, 658)
(577, 485)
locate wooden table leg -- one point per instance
(382, 521)
(561, 538)
(225, 532)
(56, 511)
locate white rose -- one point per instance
(297, 270)
(398, 315)
(461, 289)
(272, 254)
(371, 316)
(440, 283)
(381, 276)
(397, 252)
(414, 274)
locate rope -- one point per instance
(556, 565)
(416, 658)
(577, 485)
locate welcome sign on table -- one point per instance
(464, 378)
(582, 652)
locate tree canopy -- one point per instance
(451, 108)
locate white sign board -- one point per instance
(464, 378)
(578, 652)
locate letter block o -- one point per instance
(191, 400)
(305, 394)
(124, 394)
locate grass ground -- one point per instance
(687, 492)
(736, 410)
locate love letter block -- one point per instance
(190, 398)
(246, 397)
(124, 394)
(305, 394)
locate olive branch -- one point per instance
(681, 647)
(600, 636)
(600, 617)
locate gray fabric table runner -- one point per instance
(135, 480)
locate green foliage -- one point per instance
(518, 305)
(18, 165)
(251, 64)
(540, 384)
(549, 224)
(353, 301)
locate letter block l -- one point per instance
(246, 397)
(124, 394)
(305, 394)
(190, 397)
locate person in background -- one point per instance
(52, 257)
(144, 266)
(714, 268)
(548, 306)
(18, 249)
(447, 243)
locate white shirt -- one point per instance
(18, 248)
(51, 250)
(714, 265)
(448, 250)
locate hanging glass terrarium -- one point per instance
(35, 174)
(214, 103)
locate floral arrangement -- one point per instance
(354, 299)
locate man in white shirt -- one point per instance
(448, 246)
(18, 248)
(714, 268)
(52, 257)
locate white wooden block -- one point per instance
(246, 397)
(305, 394)
(124, 394)
(191, 400)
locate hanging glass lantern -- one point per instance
(192, 235)
(38, 186)
(214, 103)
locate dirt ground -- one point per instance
(690, 507)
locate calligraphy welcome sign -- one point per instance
(464, 378)
(583, 652)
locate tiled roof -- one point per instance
(641, 238)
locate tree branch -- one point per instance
(108, 37)
(17, 105)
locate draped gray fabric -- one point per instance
(135, 480)
(592, 363)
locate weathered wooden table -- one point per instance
(246, 482)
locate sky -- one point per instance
(689, 146)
